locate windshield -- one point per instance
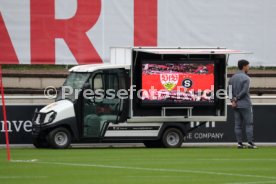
(72, 86)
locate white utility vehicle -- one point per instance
(147, 95)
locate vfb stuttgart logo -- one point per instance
(169, 81)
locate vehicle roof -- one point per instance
(169, 51)
(94, 67)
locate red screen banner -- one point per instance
(178, 82)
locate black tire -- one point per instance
(172, 138)
(59, 138)
(153, 144)
(40, 143)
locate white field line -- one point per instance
(211, 159)
(148, 169)
(22, 177)
(255, 182)
(33, 160)
(136, 176)
(241, 159)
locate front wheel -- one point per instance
(59, 138)
(172, 138)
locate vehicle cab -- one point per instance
(86, 103)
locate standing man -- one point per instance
(241, 103)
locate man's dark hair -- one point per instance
(242, 63)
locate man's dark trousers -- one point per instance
(243, 116)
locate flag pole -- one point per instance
(5, 117)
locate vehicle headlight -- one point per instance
(49, 118)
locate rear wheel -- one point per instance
(172, 138)
(59, 138)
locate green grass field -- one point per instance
(139, 166)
